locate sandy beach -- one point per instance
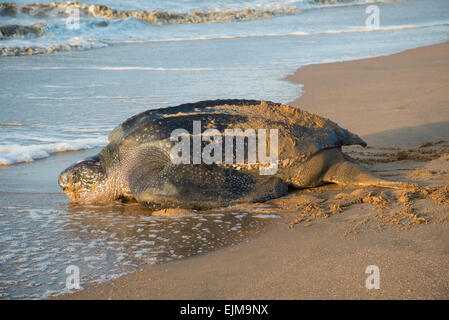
(326, 237)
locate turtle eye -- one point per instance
(63, 180)
(68, 178)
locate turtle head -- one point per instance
(84, 180)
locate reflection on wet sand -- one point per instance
(38, 243)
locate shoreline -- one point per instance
(381, 78)
(318, 260)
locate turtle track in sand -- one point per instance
(426, 201)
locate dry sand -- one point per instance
(328, 236)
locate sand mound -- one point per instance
(381, 208)
(425, 200)
(427, 151)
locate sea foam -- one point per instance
(16, 153)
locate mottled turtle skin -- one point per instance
(136, 164)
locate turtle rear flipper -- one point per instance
(158, 183)
(344, 170)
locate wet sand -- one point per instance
(328, 236)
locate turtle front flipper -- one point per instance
(158, 183)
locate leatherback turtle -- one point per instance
(138, 161)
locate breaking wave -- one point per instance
(158, 17)
(42, 49)
(16, 153)
(42, 28)
(16, 31)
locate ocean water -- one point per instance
(117, 67)
(64, 86)
(38, 243)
